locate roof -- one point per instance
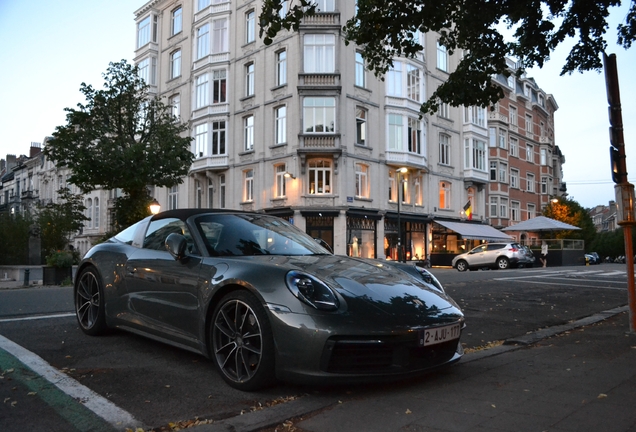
(473, 231)
(541, 223)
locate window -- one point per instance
(528, 123)
(530, 180)
(201, 4)
(544, 185)
(515, 211)
(514, 147)
(394, 79)
(494, 202)
(201, 140)
(503, 207)
(284, 7)
(96, 213)
(147, 70)
(541, 129)
(360, 73)
(444, 149)
(392, 189)
(203, 41)
(361, 126)
(442, 57)
(530, 153)
(219, 86)
(325, 5)
(503, 172)
(444, 195)
(248, 185)
(280, 115)
(319, 177)
(444, 110)
(202, 98)
(248, 133)
(177, 20)
(531, 211)
(492, 138)
(544, 156)
(222, 191)
(417, 190)
(362, 180)
(395, 132)
(218, 138)
(175, 103)
(210, 193)
(173, 198)
(415, 136)
(175, 64)
(220, 42)
(493, 170)
(250, 28)
(319, 114)
(511, 81)
(280, 170)
(513, 115)
(542, 101)
(198, 197)
(249, 79)
(281, 68)
(319, 53)
(89, 213)
(514, 178)
(413, 82)
(475, 115)
(502, 138)
(147, 30)
(475, 154)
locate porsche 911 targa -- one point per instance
(265, 301)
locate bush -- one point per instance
(60, 259)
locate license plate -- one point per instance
(437, 335)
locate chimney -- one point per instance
(36, 148)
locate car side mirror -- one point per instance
(177, 245)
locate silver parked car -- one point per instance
(491, 255)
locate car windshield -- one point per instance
(241, 235)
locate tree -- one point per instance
(58, 221)
(14, 236)
(567, 210)
(384, 29)
(123, 137)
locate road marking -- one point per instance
(36, 317)
(572, 285)
(86, 397)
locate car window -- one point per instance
(495, 246)
(158, 230)
(479, 249)
(128, 235)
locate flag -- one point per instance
(468, 210)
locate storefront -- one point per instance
(319, 224)
(362, 232)
(414, 244)
(451, 238)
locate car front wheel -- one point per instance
(502, 263)
(462, 265)
(89, 302)
(242, 343)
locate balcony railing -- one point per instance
(319, 80)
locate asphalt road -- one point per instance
(159, 384)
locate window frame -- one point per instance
(314, 112)
(442, 57)
(280, 186)
(176, 26)
(360, 71)
(175, 64)
(444, 149)
(362, 115)
(248, 133)
(319, 53)
(281, 67)
(362, 186)
(250, 26)
(249, 79)
(280, 125)
(248, 185)
(316, 173)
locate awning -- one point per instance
(472, 231)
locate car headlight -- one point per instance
(311, 291)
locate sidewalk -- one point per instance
(580, 377)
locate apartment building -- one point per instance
(525, 164)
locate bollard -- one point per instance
(26, 277)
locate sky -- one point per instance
(68, 42)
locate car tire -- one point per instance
(503, 263)
(461, 265)
(241, 342)
(88, 293)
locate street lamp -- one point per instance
(154, 206)
(400, 171)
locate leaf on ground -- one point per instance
(601, 396)
(408, 411)
(32, 393)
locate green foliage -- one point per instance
(14, 238)
(131, 208)
(58, 221)
(122, 137)
(384, 29)
(60, 259)
(609, 243)
(571, 212)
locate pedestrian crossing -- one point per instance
(589, 278)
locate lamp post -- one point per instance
(154, 206)
(400, 171)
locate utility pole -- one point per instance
(624, 190)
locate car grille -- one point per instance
(365, 356)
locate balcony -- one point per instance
(215, 163)
(211, 59)
(406, 158)
(209, 110)
(321, 81)
(216, 8)
(321, 20)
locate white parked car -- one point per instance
(491, 255)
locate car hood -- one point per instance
(376, 291)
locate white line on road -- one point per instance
(572, 285)
(91, 400)
(36, 317)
